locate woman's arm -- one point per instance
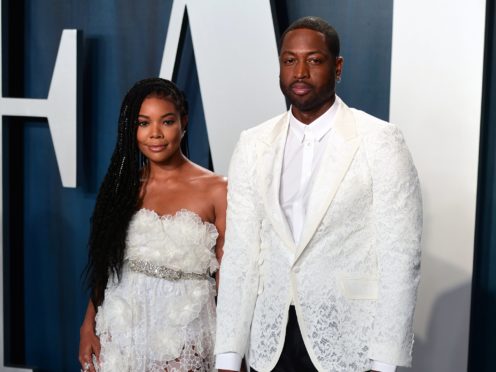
(220, 206)
(89, 343)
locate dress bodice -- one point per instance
(181, 241)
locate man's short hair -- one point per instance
(319, 25)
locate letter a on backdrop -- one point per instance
(236, 55)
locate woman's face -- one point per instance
(160, 129)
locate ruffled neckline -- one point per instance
(178, 213)
(180, 241)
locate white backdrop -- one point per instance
(436, 86)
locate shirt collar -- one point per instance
(319, 127)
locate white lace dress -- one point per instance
(152, 320)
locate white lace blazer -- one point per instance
(353, 276)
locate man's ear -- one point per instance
(339, 66)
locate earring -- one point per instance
(338, 79)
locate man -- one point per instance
(321, 258)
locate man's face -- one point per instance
(308, 71)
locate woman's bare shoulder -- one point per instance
(208, 179)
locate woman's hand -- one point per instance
(89, 344)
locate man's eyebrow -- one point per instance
(304, 52)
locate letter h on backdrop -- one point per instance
(60, 108)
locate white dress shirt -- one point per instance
(305, 145)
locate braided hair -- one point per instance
(118, 197)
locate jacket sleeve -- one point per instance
(239, 269)
(397, 212)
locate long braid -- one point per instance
(118, 196)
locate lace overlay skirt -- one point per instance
(152, 324)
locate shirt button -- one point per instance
(296, 270)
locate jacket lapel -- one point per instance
(338, 155)
(271, 158)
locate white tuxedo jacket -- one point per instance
(353, 277)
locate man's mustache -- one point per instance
(300, 84)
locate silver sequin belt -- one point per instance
(163, 272)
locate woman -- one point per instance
(157, 232)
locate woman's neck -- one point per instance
(167, 169)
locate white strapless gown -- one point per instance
(150, 321)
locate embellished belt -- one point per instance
(163, 272)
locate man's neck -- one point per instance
(307, 117)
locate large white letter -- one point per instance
(436, 88)
(236, 56)
(61, 110)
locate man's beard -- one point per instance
(311, 103)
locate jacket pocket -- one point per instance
(359, 288)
